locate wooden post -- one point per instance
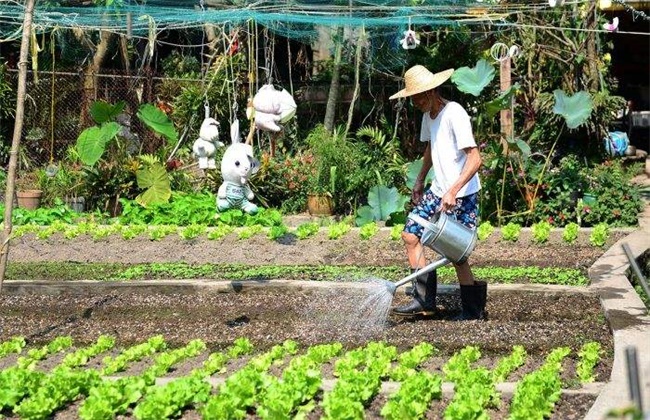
(18, 129)
(506, 114)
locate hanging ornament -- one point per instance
(410, 40)
(611, 27)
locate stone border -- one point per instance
(628, 319)
(85, 287)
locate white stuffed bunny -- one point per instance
(206, 145)
(238, 164)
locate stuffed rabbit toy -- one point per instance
(206, 145)
(237, 165)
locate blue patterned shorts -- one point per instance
(466, 211)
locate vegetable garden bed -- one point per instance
(555, 322)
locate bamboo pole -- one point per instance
(15, 144)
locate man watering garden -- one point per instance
(452, 152)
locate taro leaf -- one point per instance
(382, 201)
(364, 215)
(520, 146)
(158, 121)
(153, 177)
(412, 171)
(92, 142)
(503, 101)
(575, 109)
(104, 112)
(473, 80)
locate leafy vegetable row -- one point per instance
(360, 372)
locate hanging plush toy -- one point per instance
(237, 166)
(272, 107)
(410, 40)
(206, 145)
(611, 27)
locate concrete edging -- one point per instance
(628, 319)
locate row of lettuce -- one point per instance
(105, 392)
(46, 222)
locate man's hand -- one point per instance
(448, 202)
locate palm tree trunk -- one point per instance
(335, 84)
(90, 76)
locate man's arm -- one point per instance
(471, 167)
(418, 188)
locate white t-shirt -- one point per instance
(449, 133)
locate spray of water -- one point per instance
(356, 307)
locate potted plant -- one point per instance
(29, 190)
(66, 184)
(321, 190)
(328, 152)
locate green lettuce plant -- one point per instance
(307, 229)
(570, 232)
(484, 230)
(368, 230)
(541, 231)
(511, 231)
(599, 234)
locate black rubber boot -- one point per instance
(424, 292)
(473, 300)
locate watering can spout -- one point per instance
(392, 287)
(445, 235)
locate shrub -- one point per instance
(618, 201)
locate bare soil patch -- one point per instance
(260, 250)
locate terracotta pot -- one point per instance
(319, 204)
(29, 199)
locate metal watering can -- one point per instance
(445, 235)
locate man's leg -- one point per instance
(424, 287)
(473, 294)
(464, 274)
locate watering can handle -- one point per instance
(422, 221)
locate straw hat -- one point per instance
(418, 79)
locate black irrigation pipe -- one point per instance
(635, 269)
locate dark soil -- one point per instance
(537, 321)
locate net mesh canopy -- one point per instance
(295, 20)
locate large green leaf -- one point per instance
(153, 177)
(158, 121)
(413, 170)
(502, 101)
(519, 145)
(92, 142)
(104, 112)
(382, 201)
(473, 80)
(575, 109)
